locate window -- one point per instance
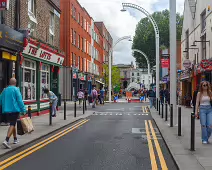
(79, 62)
(31, 6)
(32, 27)
(138, 80)
(85, 24)
(84, 45)
(187, 43)
(74, 37)
(45, 80)
(51, 39)
(203, 44)
(79, 39)
(73, 12)
(51, 26)
(137, 74)
(78, 18)
(203, 20)
(81, 47)
(133, 79)
(82, 21)
(143, 81)
(29, 80)
(132, 74)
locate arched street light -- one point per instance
(130, 5)
(148, 63)
(110, 62)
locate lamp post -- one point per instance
(110, 63)
(130, 5)
(148, 63)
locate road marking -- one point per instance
(157, 145)
(128, 114)
(139, 114)
(111, 114)
(151, 150)
(10, 161)
(105, 114)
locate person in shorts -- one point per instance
(12, 106)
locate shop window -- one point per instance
(45, 80)
(29, 80)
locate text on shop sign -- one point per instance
(43, 54)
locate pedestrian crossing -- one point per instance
(119, 114)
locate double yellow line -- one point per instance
(11, 160)
(148, 125)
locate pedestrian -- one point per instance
(203, 103)
(151, 96)
(94, 97)
(12, 105)
(53, 99)
(102, 94)
(80, 96)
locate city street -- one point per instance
(116, 137)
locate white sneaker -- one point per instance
(204, 142)
(6, 145)
(15, 141)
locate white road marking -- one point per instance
(136, 130)
(111, 114)
(135, 114)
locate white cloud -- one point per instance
(122, 24)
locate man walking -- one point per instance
(12, 105)
(94, 95)
(80, 96)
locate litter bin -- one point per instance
(59, 99)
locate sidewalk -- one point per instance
(42, 128)
(199, 159)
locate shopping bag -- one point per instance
(141, 98)
(20, 129)
(27, 125)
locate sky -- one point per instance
(121, 24)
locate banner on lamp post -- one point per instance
(165, 62)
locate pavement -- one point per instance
(179, 146)
(42, 127)
(116, 137)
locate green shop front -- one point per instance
(40, 67)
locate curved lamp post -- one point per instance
(130, 5)
(110, 62)
(148, 63)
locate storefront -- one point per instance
(39, 69)
(11, 44)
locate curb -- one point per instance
(43, 136)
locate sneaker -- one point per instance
(6, 145)
(204, 142)
(15, 141)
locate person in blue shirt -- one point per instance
(53, 99)
(12, 105)
(102, 94)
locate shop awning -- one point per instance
(100, 82)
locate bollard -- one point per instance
(64, 109)
(179, 121)
(166, 113)
(157, 104)
(75, 108)
(159, 107)
(192, 132)
(162, 112)
(83, 106)
(50, 113)
(171, 116)
(29, 112)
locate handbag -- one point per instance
(20, 129)
(27, 125)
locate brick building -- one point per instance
(82, 42)
(38, 62)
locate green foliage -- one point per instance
(144, 38)
(116, 78)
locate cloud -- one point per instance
(121, 24)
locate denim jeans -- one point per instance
(206, 121)
(151, 101)
(54, 105)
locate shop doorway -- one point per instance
(5, 73)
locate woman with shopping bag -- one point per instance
(12, 105)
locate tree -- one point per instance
(116, 78)
(144, 38)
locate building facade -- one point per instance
(195, 44)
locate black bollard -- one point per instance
(166, 112)
(159, 107)
(83, 106)
(157, 104)
(29, 112)
(171, 116)
(192, 132)
(179, 121)
(162, 112)
(75, 108)
(50, 113)
(64, 109)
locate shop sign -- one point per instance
(205, 64)
(4, 4)
(74, 75)
(11, 39)
(165, 63)
(43, 54)
(187, 64)
(185, 75)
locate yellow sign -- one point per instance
(0, 34)
(8, 56)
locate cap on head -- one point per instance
(13, 81)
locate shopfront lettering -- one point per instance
(44, 55)
(33, 50)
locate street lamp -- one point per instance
(110, 62)
(130, 5)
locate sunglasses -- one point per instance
(205, 85)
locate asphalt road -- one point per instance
(114, 138)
